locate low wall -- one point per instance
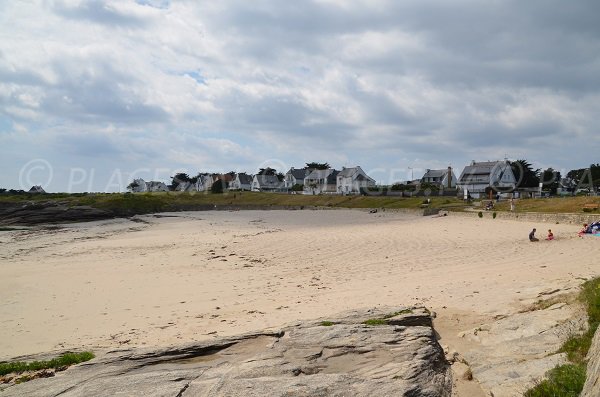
(573, 219)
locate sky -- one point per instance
(96, 93)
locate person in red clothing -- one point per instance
(583, 230)
(550, 235)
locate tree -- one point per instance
(132, 186)
(550, 179)
(2, 190)
(178, 179)
(267, 171)
(584, 177)
(218, 186)
(524, 174)
(317, 166)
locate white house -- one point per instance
(266, 183)
(444, 179)
(295, 176)
(139, 186)
(321, 181)
(242, 181)
(351, 180)
(479, 176)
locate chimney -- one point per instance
(472, 162)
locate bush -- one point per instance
(494, 215)
(480, 214)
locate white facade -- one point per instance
(321, 181)
(478, 177)
(351, 180)
(241, 182)
(140, 186)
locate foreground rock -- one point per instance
(348, 358)
(592, 383)
(49, 212)
(510, 354)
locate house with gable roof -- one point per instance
(351, 180)
(444, 179)
(321, 181)
(478, 178)
(242, 181)
(266, 183)
(295, 176)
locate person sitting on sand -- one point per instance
(550, 235)
(532, 237)
(583, 230)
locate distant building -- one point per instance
(295, 176)
(321, 181)
(266, 183)
(444, 179)
(351, 180)
(37, 189)
(478, 178)
(139, 186)
(242, 181)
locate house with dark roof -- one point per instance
(444, 179)
(266, 183)
(352, 179)
(321, 181)
(139, 186)
(242, 181)
(36, 189)
(295, 176)
(479, 178)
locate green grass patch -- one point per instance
(383, 320)
(568, 380)
(62, 361)
(327, 323)
(375, 321)
(405, 311)
(563, 381)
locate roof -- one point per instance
(331, 178)
(435, 173)
(320, 174)
(268, 181)
(245, 179)
(37, 189)
(480, 169)
(347, 172)
(298, 173)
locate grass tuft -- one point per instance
(375, 321)
(327, 323)
(563, 381)
(62, 361)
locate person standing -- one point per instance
(512, 204)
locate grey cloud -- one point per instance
(97, 11)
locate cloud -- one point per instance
(228, 85)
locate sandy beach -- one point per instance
(182, 277)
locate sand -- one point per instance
(193, 276)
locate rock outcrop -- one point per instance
(508, 355)
(592, 383)
(49, 212)
(396, 356)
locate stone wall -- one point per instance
(573, 219)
